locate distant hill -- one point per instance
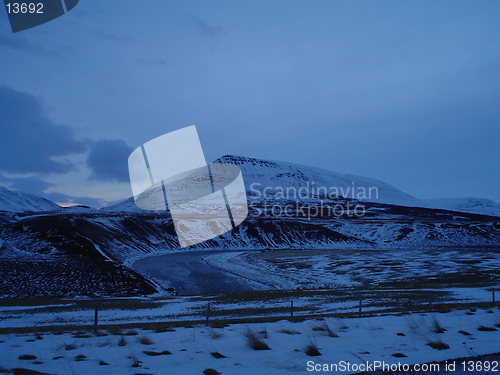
(474, 205)
(18, 201)
(85, 251)
(270, 178)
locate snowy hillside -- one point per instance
(277, 176)
(473, 205)
(261, 174)
(276, 180)
(127, 205)
(282, 181)
(18, 201)
(287, 210)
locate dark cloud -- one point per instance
(108, 160)
(33, 185)
(29, 140)
(204, 28)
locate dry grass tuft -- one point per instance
(438, 344)
(436, 326)
(146, 340)
(312, 349)
(486, 329)
(255, 341)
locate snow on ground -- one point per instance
(312, 268)
(474, 205)
(187, 350)
(238, 264)
(232, 306)
(18, 201)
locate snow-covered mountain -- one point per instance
(276, 178)
(97, 244)
(473, 205)
(18, 201)
(281, 181)
(127, 205)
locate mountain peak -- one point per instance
(18, 201)
(245, 160)
(278, 175)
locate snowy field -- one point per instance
(417, 307)
(354, 342)
(408, 268)
(275, 304)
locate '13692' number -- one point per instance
(24, 7)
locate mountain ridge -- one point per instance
(293, 175)
(19, 201)
(90, 251)
(466, 204)
(278, 174)
(277, 177)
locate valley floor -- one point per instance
(416, 307)
(337, 268)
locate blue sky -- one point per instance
(405, 92)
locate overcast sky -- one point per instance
(407, 92)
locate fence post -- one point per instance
(430, 302)
(208, 313)
(291, 309)
(96, 318)
(493, 296)
(360, 312)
